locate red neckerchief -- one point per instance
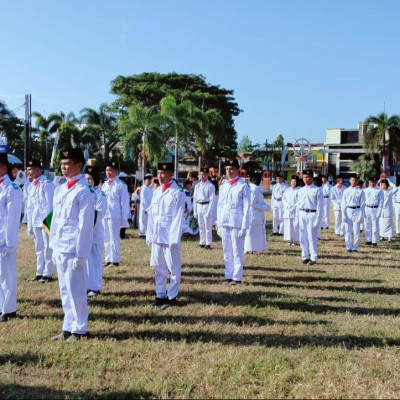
(1, 181)
(166, 186)
(36, 181)
(71, 183)
(233, 181)
(110, 181)
(339, 186)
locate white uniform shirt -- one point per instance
(373, 197)
(117, 200)
(257, 205)
(309, 197)
(353, 197)
(203, 192)
(100, 207)
(71, 229)
(336, 196)
(40, 196)
(234, 205)
(10, 212)
(277, 194)
(289, 201)
(326, 190)
(146, 194)
(164, 225)
(387, 204)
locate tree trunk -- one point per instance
(106, 151)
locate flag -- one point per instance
(47, 222)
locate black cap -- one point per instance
(95, 172)
(354, 176)
(255, 173)
(232, 163)
(372, 178)
(205, 170)
(4, 159)
(385, 181)
(113, 164)
(279, 175)
(166, 166)
(73, 154)
(323, 176)
(34, 163)
(308, 172)
(148, 176)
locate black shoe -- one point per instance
(114, 265)
(61, 336)
(311, 262)
(274, 234)
(45, 279)
(226, 281)
(368, 243)
(349, 250)
(382, 239)
(75, 337)
(158, 302)
(202, 246)
(36, 278)
(169, 303)
(355, 251)
(208, 247)
(375, 244)
(107, 264)
(92, 293)
(306, 261)
(233, 283)
(6, 317)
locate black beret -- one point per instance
(95, 172)
(232, 163)
(167, 166)
(113, 164)
(34, 163)
(279, 175)
(73, 154)
(308, 172)
(205, 170)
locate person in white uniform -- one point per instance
(396, 203)
(116, 215)
(94, 265)
(308, 217)
(289, 200)
(164, 231)
(71, 237)
(336, 198)
(203, 202)
(353, 210)
(326, 209)
(146, 194)
(276, 204)
(40, 200)
(10, 214)
(373, 208)
(256, 238)
(386, 214)
(233, 218)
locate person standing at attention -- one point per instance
(164, 231)
(276, 204)
(233, 221)
(326, 209)
(116, 215)
(146, 194)
(336, 198)
(203, 200)
(71, 237)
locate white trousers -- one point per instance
(233, 247)
(112, 239)
(308, 236)
(371, 225)
(290, 232)
(277, 220)
(166, 260)
(143, 217)
(338, 222)
(397, 214)
(44, 263)
(352, 228)
(8, 282)
(94, 268)
(205, 228)
(325, 212)
(73, 294)
(386, 227)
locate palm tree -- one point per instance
(382, 134)
(143, 129)
(103, 124)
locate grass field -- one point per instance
(289, 331)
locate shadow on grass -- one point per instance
(322, 279)
(14, 391)
(269, 340)
(20, 360)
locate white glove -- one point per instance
(219, 232)
(29, 231)
(242, 233)
(296, 222)
(5, 251)
(316, 225)
(358, 221)
(78, 263)
(195, 216)
(208, 215)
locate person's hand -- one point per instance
(242, 233)
(316, 225)
(5, 251)
(78, 263)
(219, 232)
(195, 215)
(29, 231)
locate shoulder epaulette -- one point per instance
(90, 188)
(102, 193)
(15, 186)
(48, 181)
(180, 188)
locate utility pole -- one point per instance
(28, 125)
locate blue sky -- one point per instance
(297, 67)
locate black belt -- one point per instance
(353, 207)
(203, 202)
(280, 199)
(372, 206)
(307, 210)
(326, 197)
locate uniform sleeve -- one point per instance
(175, 231)
(49, 194)
(246, 207)
(14, 205)
(84, 240)
(212, 199)
(101, 204)
(259, 204)
(319, 205)
(125, 209)
(195, 200)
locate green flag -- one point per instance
(47, 222)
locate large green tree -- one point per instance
(149, 88)
(364, 166)
(382, 135)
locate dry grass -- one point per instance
(289, 331)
